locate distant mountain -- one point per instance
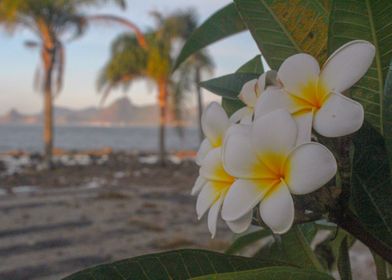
(120, 112)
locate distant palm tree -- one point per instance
(52, 22)
(129, 62)
(181, 25)
(201, 62)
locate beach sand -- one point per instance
(93, 210)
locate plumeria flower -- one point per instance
(214, 123)
(314, 97)
(249, 94)
(270, 167)
(214, 183)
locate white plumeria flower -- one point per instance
(215, 182)
(214, 123)
(313, 96)
(269, 167)
(249, 94)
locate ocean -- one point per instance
(29, 138)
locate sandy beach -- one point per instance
(93, 209)
(52, 224)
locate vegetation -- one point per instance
(53, 22)
(130, 61)
(356, 204)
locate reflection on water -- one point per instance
(29, 138)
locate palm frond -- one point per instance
(111, 19)
(59, 66)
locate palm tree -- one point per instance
(129, 62)
(52, 22)
(181, 25)
(200, 62)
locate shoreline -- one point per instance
(74, 168)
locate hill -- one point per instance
(120, 112)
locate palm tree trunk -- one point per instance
(199, 103)
(48, 61)
(162, 101)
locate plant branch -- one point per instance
(344, 159)
(351, 224)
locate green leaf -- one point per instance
(381, 267)
(368, 20)
(231, 105)
(247, 239)
(343, 260)
(252, 66)
(270, 273)
(222, 24)
(329, 250)
(228, 86)
(387, 112)
(283, 28)
(371, 184)
(294, 248)
(172, 265)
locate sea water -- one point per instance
(131, 138)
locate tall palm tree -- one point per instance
(129, 62)
(53, 22)
(181, 25)
(200, 62)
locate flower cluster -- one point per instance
(263, 154)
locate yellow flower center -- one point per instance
(223, 182)
(311, 96)
(271, 170)
(217, 142)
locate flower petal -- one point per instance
(275, 132)
(199, 184)
(239, 160)
(347, 65)
(205, 147)
(272, 99)
(277, 209)
(243, 115)
(297, 71)
(248, 118)
(212, 167)
(339, 116)
(248, 93)
(214, 122)
(213, 216)
(206, 198)
(242, 224)
(242, 196)
(304, 121)
(309, 167)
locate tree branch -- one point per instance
(351, 224)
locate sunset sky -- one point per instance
(86, 56)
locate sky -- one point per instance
(87, 55)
